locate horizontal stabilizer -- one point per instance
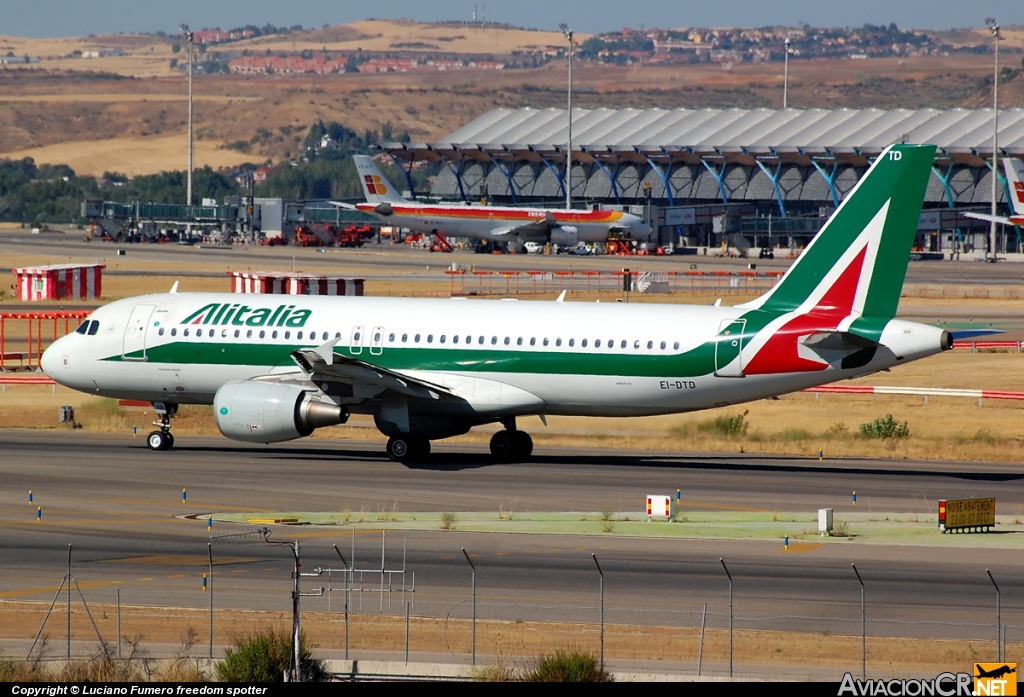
(965, 334)
(837, 341)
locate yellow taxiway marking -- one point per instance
(238, 571)
(501, 554)
(179, 560)
(799, 547)
(178, 576)
(146, 579)
(53, 589)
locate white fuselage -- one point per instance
(570, 358)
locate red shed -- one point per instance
(284, 283)
(60, 281)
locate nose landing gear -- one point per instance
(162, 439)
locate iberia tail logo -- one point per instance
(374, 185)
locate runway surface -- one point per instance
(121, 507)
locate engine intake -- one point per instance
(268, 412)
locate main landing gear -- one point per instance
(162, 439)
(408, 447)
(511, 445)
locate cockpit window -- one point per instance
(94, 327)
(82, 328)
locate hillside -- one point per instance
(128, 113)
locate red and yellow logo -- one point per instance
(374, 184)
(995, 679)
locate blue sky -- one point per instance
(75, 17)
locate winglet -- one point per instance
(326, 350)
(561, 297)
(174, 288)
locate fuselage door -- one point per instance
(729, 349)
(377, 341)
(356, 342)
(134, 346)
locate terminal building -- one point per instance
(757, 176)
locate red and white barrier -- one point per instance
(293, 283)
(917, 391)
(60, 281)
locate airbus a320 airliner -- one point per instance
(276, 368)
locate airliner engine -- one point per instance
(269, 412)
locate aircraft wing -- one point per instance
(367, 380)
(986, 216)
(537, 227)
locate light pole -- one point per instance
(191, 38)
(863, 629)
(473, 567)
(730, 612)
(999, 619)
(567, 32)
(994, 28)
(785, 77)
(601, 574)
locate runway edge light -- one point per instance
(184, 495)
(39, 514)
(29, 497)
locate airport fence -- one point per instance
(487, 610)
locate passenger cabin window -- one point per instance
(545, 341)
(199, 332)
(494, 340)
(455, 339)
(274, 334)
(583, 343)
(481, 340)
(299, 335)
(224, 333)
(416, 338)
(597, 343)
(533, 341)
(161, 332)
(506, 340)
(676, 346)
(636, 344)
(337, 335)
(519, 341)
(174, 332)
(248, 334)
(572, 342)
(376, 336)
(663, 345)
(405, 337)
(430, 338)
(623, 343)
(442, 338)
(469, 340)
(287, 335)
(238, 333)
(263, 333)
(558, 342)
(391, 338)
(650, 344)
(185, 332)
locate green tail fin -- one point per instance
(867, 241)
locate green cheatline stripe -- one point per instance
(693, 363)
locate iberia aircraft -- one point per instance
(514, 226)
(1015, 183)
(276, 368)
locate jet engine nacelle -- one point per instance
(565, 235)
(271, 412)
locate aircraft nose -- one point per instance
(53, 358)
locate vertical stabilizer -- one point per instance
(1015, 183)
(856, 264)
(376, 188)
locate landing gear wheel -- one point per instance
(408, 448)
(399, 448)
(170, 440)
(524, 445)
(159, 440)
(503, 446)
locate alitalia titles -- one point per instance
(239, 315)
